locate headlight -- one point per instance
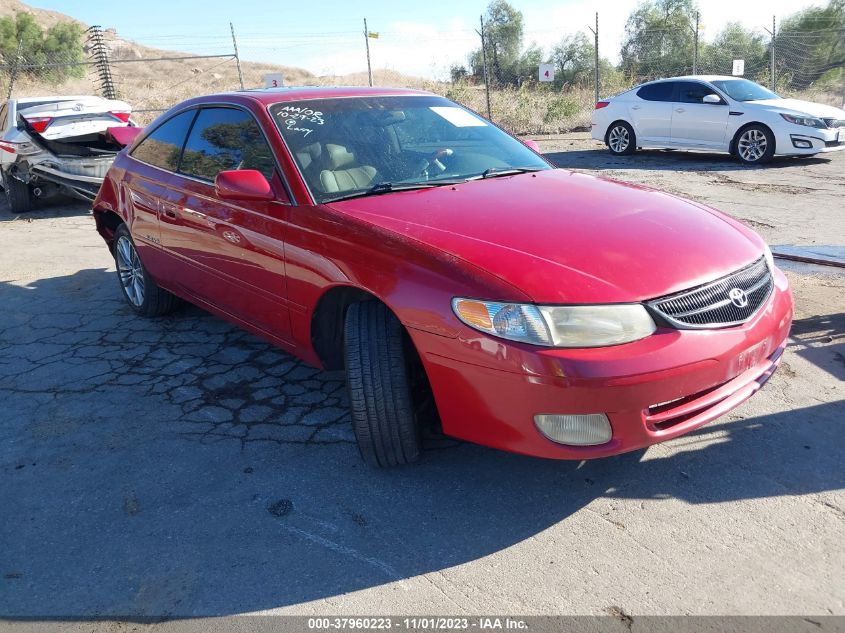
(770, 260)
(557, 326)
(804, 120)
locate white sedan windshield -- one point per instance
(744, 90)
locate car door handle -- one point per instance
(635, 107)
(197, 214)
(169, 211)
(679, 110)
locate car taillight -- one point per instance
(39, 123)
(602, 104)
(123, 116)
(8, 147)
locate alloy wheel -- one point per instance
(130, 270)
(752, 145)
(618, 139)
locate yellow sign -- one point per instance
(373, 35)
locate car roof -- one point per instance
(694, 78)
(269, 96)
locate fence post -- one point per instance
(486, 72)
(100, 55)
(695, 49)
(237, 57)
(772, 72)
(597, 80)
(13, 70)
(367, 44)
(596, 47)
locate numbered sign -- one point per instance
(739, 67)
(274, 80)
(547, 72)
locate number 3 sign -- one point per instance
(274, 80)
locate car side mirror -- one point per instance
(242, 184)
(711, 98)
(531, 144)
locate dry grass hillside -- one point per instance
(155, 85)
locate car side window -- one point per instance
(693, 92)
(661, 91)
(162, 147)
(224, 139)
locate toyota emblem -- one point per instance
(738, 297)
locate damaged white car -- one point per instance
(60, 144)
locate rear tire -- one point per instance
(620, 139)
(18, 194)
(142, 294)
(378, 383)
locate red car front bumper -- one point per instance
(489, 390)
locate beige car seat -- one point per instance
(341, 171)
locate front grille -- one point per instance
(834, 122)
(711, 305)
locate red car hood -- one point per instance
(565, 237)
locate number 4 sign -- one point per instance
(274, 80)
(547, 72)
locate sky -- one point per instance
(422, 38)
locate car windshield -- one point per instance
(348, 147)
(743, 90)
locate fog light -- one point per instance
(577, 430)
(802, 144)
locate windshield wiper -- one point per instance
(494, 172)
(389, 187)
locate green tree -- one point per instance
(810, 46)
(659, 39)
(734, 42)
(574, 60)
(503, 44)
(40, 50)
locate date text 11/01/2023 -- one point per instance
(481, 623)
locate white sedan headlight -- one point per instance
(557, 326)
(809, 121)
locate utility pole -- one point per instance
(695, 49)
(484, 61)
(237, 57)
(367, 43)
(595, 31)
(772, 74)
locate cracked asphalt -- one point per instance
(180, 467)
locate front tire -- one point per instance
(620, 139)
(378, 383)
(755, 145)
(142, 294)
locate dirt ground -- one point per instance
(180, 467)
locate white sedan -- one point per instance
(719, 114)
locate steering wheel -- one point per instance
(432, 165)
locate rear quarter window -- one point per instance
(222, 139)
(657, 92)
(162, 147)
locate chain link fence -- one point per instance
(467, 65)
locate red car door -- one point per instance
(231, 253)
(145, 186)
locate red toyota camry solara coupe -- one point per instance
(439, 260)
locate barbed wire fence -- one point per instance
(462, 65)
